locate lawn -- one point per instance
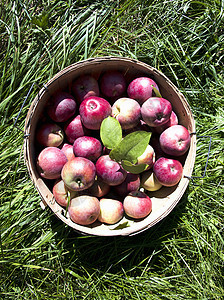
(182, 256)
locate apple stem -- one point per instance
(156, 91)
(159, 116)
(79, 182)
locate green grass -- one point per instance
(182, 256)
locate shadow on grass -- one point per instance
(113, 254)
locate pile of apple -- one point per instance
(105, 143)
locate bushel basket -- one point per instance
(163, 200)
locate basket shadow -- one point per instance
(118, 252)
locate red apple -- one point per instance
(88, 147)
(61, 193)
(175, 140)
(78, 174)
(50, 162)
(173, 120)
(127, 111)
(84, 87)
(148, 157)
(156, 111)
(137, 205)
(110, 171)
(61, 107)
(111, 211)
(112, 84)
(98, 189)
(149, 181)
(93, 110)
(84, 209)
(74, 129)
(168, 171)
(68, 151)
(131, 183)
(141, 89)
(50, 135)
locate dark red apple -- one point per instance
(61, 107)
(137, 205)
(168, 171)
(84, 209)
(131, 183)
(112, 84)
(88, 147)
(175, 140)
(156, 111)
(84, 87)
(74, 129)
(50, 135)
(141, 89)
(93, 110)
(78, 174)
(50, 162)
(110, 171)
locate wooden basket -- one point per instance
(164, 200)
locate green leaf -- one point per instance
(131, 147)
(110, 132)
(132, 168)
(123, 223)
(121, 226)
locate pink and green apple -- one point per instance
(137, 205)
(111, 211)
(148, 157)
(127, 111)
(61, 193)
(49, 135)
(84, 209)
(78, 174)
